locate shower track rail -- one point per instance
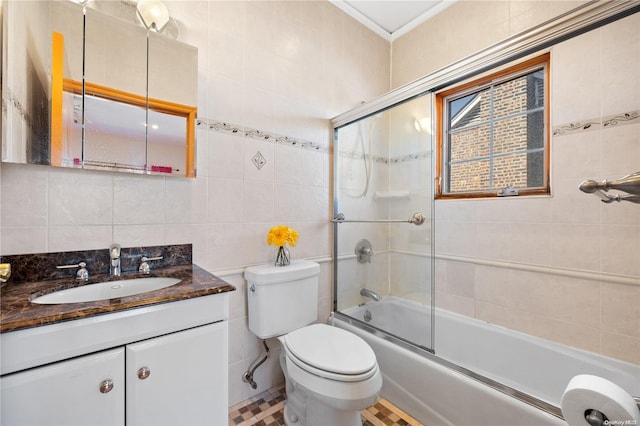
(416, 219)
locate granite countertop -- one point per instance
(17, 312)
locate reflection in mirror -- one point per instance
(165, 149)
(26, 63)
(114, 135)
(125, 101)
(115, 93)
(171, 60)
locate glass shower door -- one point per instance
(383, 258)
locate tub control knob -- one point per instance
(364, 251)
(143, 373)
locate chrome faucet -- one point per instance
(114, 253)
(144, 266)
(82, 273)
(370, 293)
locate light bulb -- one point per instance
(154, 14)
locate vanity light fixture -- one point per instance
(153, 13)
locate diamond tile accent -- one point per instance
(258, 160)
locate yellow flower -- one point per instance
(281, 235)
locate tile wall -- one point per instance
(277, 68)
(465, 28)
(564, 267)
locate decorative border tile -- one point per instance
(388, 161)
(237, 130)
(577, 127)
(621, 119)
(410, 157)
(352, 155)
(12, 99)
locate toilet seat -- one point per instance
(330, 352)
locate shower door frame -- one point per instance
(393, 102)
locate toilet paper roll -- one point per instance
(586, 392)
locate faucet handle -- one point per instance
(144, 266)
(114, 251)
(364, 251)
(5, 272)
(82, 274)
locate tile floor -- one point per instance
(266, 409)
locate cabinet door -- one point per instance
(179, 379)
(88, 390)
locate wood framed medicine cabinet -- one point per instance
(119, 97)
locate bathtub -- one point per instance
(480, 374)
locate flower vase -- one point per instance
(282, 258)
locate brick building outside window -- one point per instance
(493, 134)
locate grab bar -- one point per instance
(416, 219)
(629, 184)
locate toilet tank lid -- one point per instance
(270, 274)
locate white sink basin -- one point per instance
(105, 290)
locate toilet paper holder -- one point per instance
(596, 418)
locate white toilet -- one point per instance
(331, 374)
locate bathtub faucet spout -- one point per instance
(370, 293)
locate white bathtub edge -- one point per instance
(428, 389)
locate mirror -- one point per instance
(99, 93)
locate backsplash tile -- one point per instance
(42, 266)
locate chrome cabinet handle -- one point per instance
(143, 373)
(106, 386)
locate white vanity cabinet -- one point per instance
(179, 379)
(78, 392)
(166, 364)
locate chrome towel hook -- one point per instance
(629, 184)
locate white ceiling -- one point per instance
(391, 18)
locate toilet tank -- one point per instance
(282, 298)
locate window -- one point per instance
(493, 134)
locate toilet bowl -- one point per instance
(330, 373)
(335, 373)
